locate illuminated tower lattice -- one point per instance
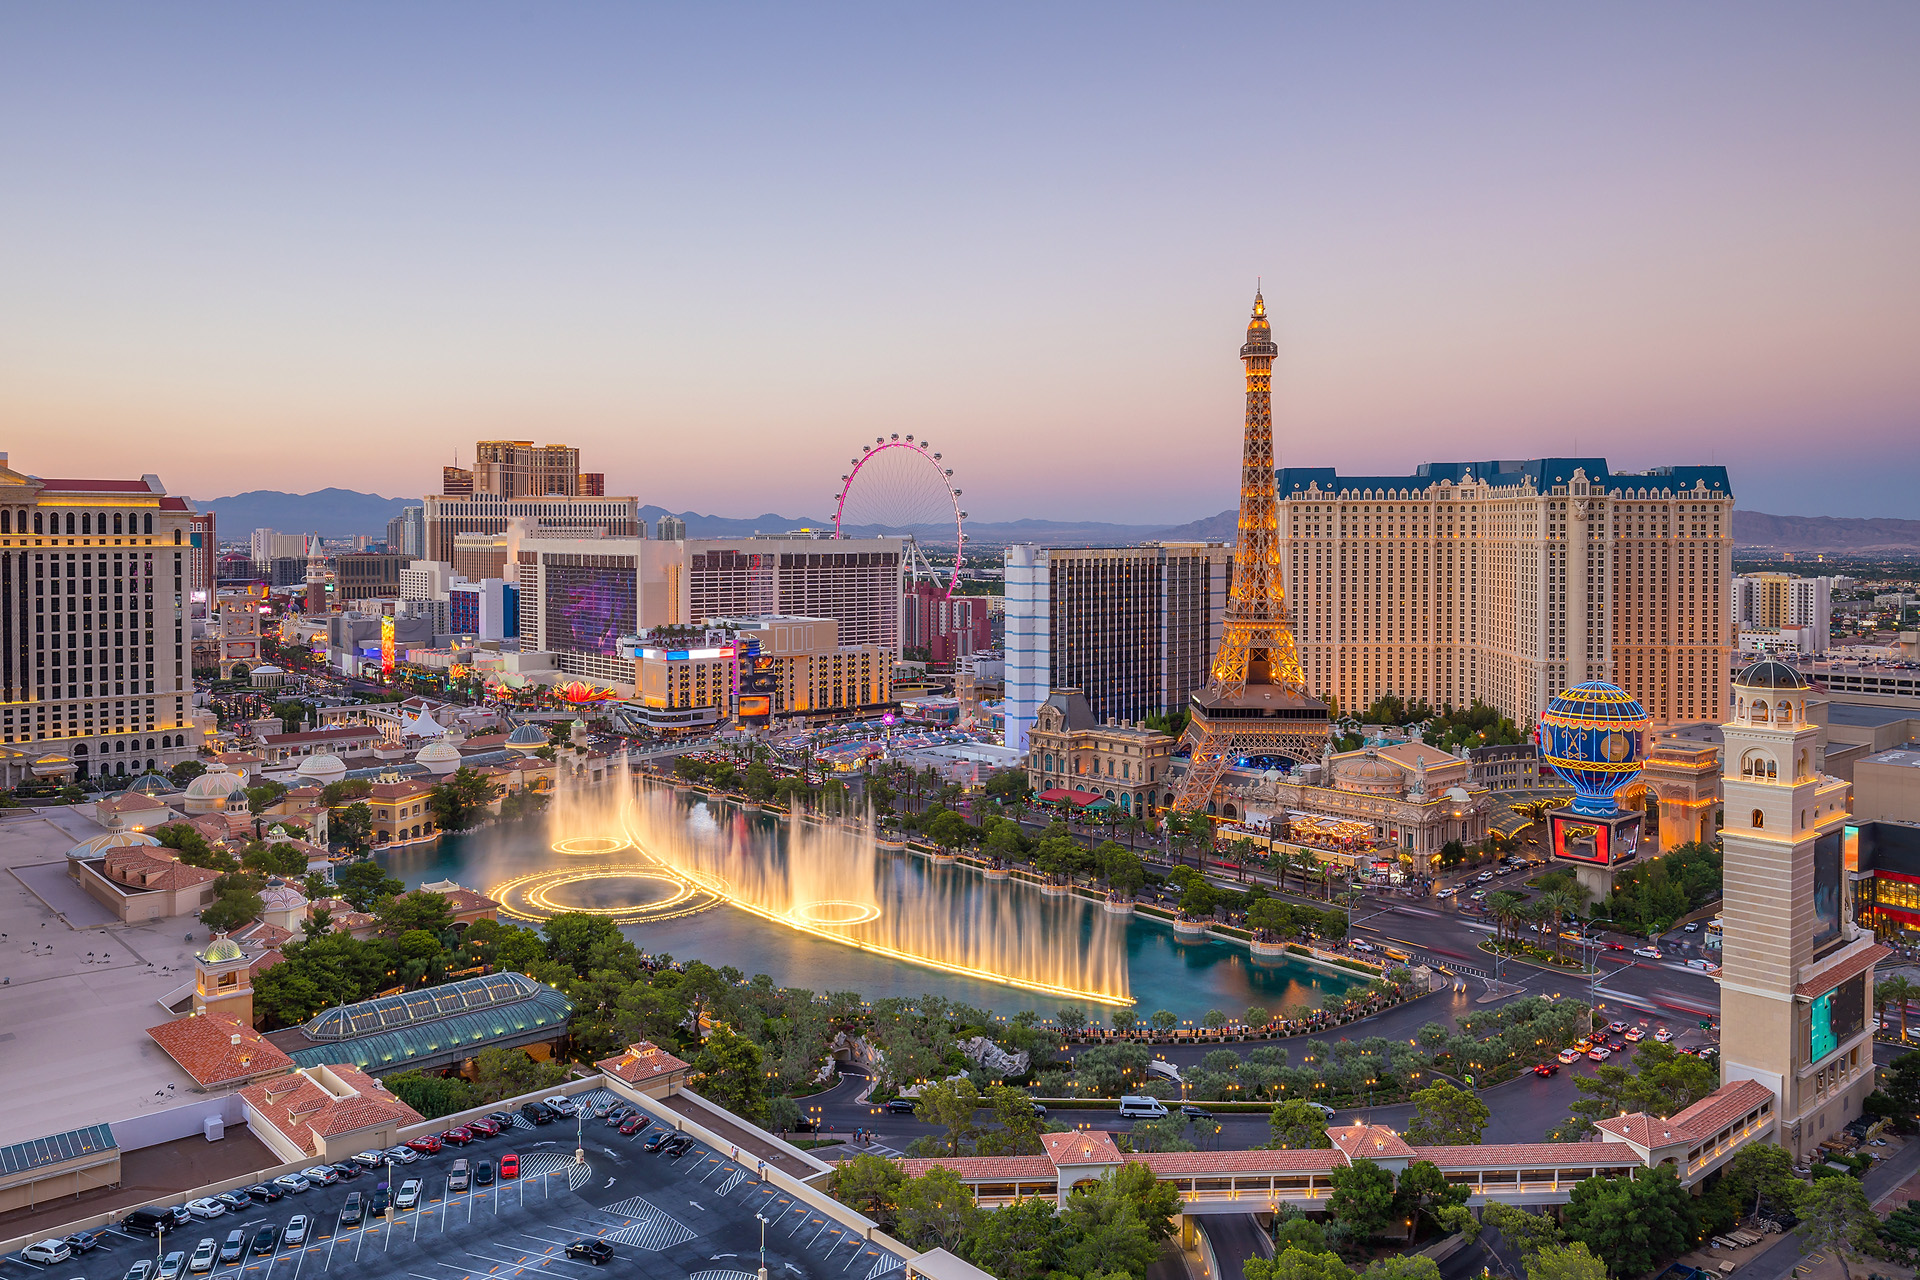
(1256, 700)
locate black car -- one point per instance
(266, 1192)
(381, 1199)
(85, 1241)
(265, 1240)
(348, 1170)
(537, 1113)
(900, 1106)
(657, 1141)
(147, 1222)
(483, 1173)
(594, 1251)
(679, 1146)
(502, 1118)
(1196, 1113)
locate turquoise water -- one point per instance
(1164, 971)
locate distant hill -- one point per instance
(1224, 527)
(331, 513)
(1823, 533)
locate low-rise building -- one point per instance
(353, 742)
(1069, 749)
(1886, 786)
(137, 879)
(648, 1068)
(328, 1112)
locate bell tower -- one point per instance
(1796, 976)
(223, 981)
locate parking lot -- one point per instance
(694, 1216)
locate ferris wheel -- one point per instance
(899, 487)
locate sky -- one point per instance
(718, 246)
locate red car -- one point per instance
(427, 1144)
(509, 1166)
(1546, 1068)
(458, 1137)
(482, 1128)
(632, 1125)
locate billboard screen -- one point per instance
(756, 707)
(1827, 894)
(591, 601)
(1596, 841)
(1838, 1016)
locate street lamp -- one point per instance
(762, 1218)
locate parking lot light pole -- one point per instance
(579, 1134)
(763, 1245)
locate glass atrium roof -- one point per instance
(429, 1004)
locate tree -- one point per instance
(1635, 1222)
(1445, 1116)
(729, 1072)
(1835, 1214)
(459, 802)
(365, 884)
(950, 1103)
(1897, 990)
(1527, 1232)
(1663, 1082)
(352, 827)
(1296, 1126)
(184, 772)
(1402, 1266)
(231, 909)
(1117, 1223)
(1760, 1170)
(937, 1210)
(1297, 1264)
(280, 859)
(507, 1073)
(432, 1096)
(1362, 1199)
(416, 911)
(1565, 1262)
(869, 1185)
(1019, 1241)
(1423, 1191)
(1902, 1085)
(1162, 1133)
(264, 797)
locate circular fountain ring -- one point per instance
(530, 897)
(592, 844)
(835, 913)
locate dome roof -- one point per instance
(94, 846)
(439, 756)
(1770, 674)
(150, 784)
(323, 767)
(217, 783)
(528, 737)
(1369, 768)
(223, 951)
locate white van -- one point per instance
(1137, 1107)
(1164, 1069)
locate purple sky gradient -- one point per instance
(718, 246)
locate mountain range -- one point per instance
(340, 513)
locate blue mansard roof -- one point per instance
(1543, 473)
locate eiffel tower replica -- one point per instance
(1256, 701)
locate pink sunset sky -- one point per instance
(716, 247)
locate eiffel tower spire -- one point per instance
(1256, 700)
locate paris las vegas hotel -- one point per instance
(1506, 582)
(93, 675)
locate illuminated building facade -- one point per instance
(691, 678)
(946, 627)
(93, 600)
(448, 515)
(202, 537)
(1505, 582)
(1796, 980)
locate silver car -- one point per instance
(296, 1232)
(203, 1257)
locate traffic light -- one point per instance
(1705, 1025)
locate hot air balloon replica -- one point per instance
(1592, 736)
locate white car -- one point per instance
(1447, 893)
(1484, 876)
(292, 1183)
(409, 1194)
(1359, 944)
(296, 1232)
(1478, 895)
(1663, 1035)
(559, 1102)
(48, 1252)
(1651, 953)
(1693, 927)
(203, 1257)
(206, 1208)
(402, 1155)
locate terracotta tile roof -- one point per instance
(1083, 1147)
(144, 867)
(308, 737)
(94, 486)
(262, 934)
(1851, 967)
(407, 789)
(1369, 1142)
(265, 961)
(131, 802)
(303, 1111)
(205, 1048)
(1529, 1155)
(983, 1168)
(642, 1061)
(1722, 1107)
(1183, 1164)
(1638, 1128)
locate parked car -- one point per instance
(1546, 1069)
(321, 1175)
(483, 1173)
(509, 1167)
(598, 1252)
(381, 1199)
(235, 1247)
(427, 1144)
(346, 1170)
(632, 1125)
(141, 1270)
(352, 1210)
(560, 1104)
(617, 1114)
(606, 1107)
(292, 1183)
(657, 1141)
(48, 1253)
(236, 1201)
(206, 1208)
(408, 1196)
(203, 1256)
(536, 1114)
(485, 1127)
(266, 1192)
(369, 1159)
(172, 1265)
(85, 1241)
(457, 1137)
(296, 1232)
(679, 1146)
(147, 1222)
(502, 1118)
(266, 1240)
(402, 1155)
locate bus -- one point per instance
(1714, 932)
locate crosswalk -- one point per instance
(735, 1179)
(722, 1275)
(887, 1263)
(655, 1230)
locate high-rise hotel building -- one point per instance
(539, 485)
(1505, 582)
(93, 659)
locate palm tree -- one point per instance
(1503, 906)
(1558, 903)
(1899, 991)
